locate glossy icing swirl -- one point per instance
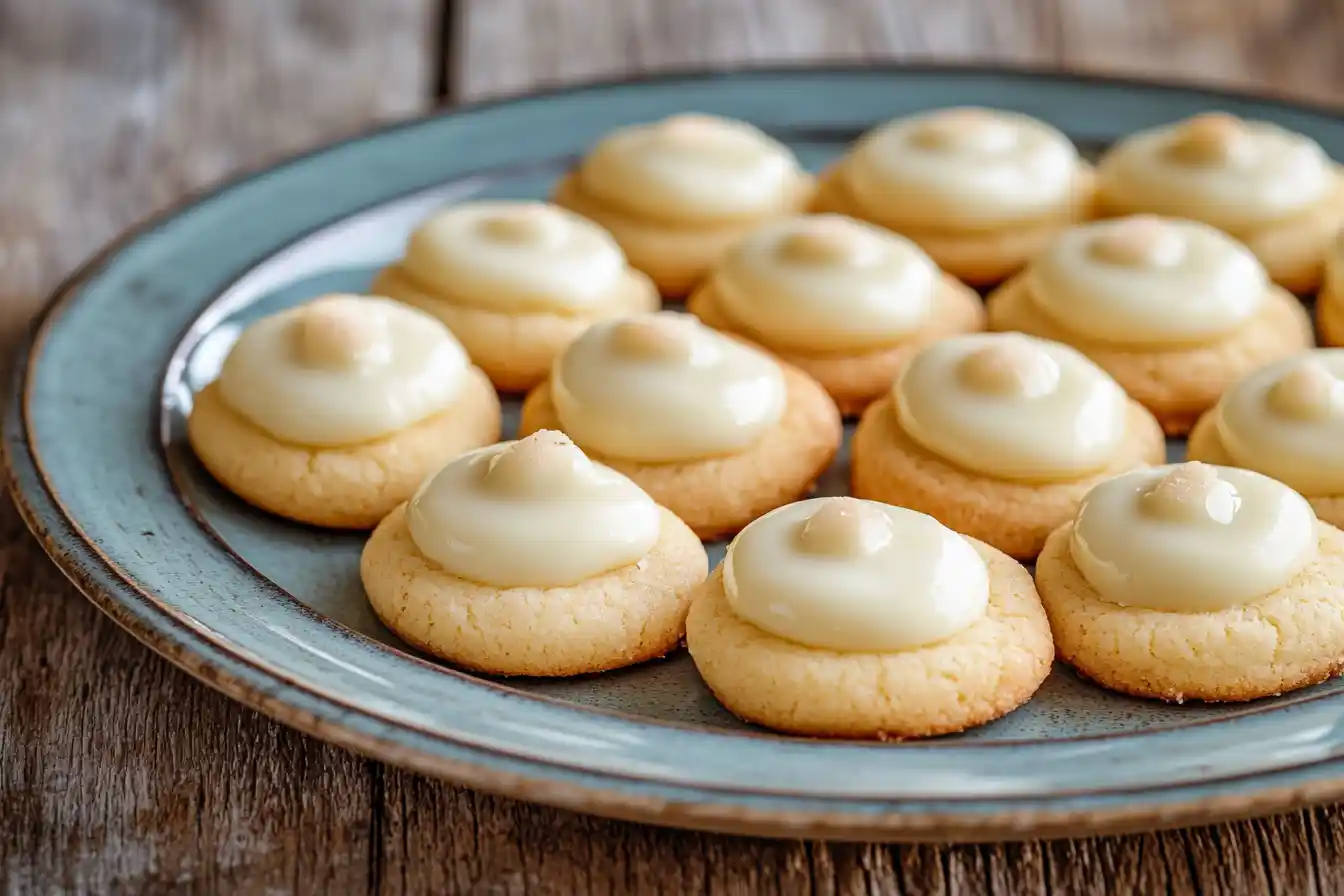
(1234, 174)
(1148, 281)
(961, 169)
(851, 575)
(692, 169)
(661, 388)
(827, 283)
(516, 257)
(534, 513)
(341, 370)
(1286, 420)
(1012, 407)
(1192, 537)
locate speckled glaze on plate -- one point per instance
(273, 615)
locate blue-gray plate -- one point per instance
(273, 614)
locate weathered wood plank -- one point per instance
(513, 45)
(118, 773)
(1283, 46)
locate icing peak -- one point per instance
(845, 527)
(691, 127)
(978, 130)
(545, 463)
(530, 223)
(1192, 492)
(340, 332)
(828, 240)
(1011, 366)
(1307, 391)
(1209, 139)
(1140, 241)
(657, 337)
(714, 139)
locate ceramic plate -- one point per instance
(272, 613)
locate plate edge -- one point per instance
(890, 826)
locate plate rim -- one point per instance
(101, 581)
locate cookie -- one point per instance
(516, 282)
(714, 430)
(1174, 310)
(528, 559)
(1274, 190)
(980, 190)
(1196, 582)
(1285, 420)
(836, 617)
(844, 301)
(679, 192)
(999, 437)
(334, 412)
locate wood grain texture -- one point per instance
(514, 45)
(118, 773)
(1287, 46)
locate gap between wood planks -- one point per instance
(444, 90)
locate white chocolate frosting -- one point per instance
(535, 513)
(1192, 537)
(515, 257)
(964, 168)
(1287, 421)
(1012, 407)
(1148, 281)
(662, 388)
(692, 168)
(827, 283)
(1234, 174)
(852, 575)
(342, 370)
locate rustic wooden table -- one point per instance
(117, 772)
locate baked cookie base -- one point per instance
(980, 258)
(1293, 250)
(1206, 445)
(514, 350)
(856, 380)
(616, 619)
(1287, 640)
(1014, 517)
(717, 496)
(1330, 317)
(341, 488)
(1177, 384)
(974, 677)
(676, 256)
